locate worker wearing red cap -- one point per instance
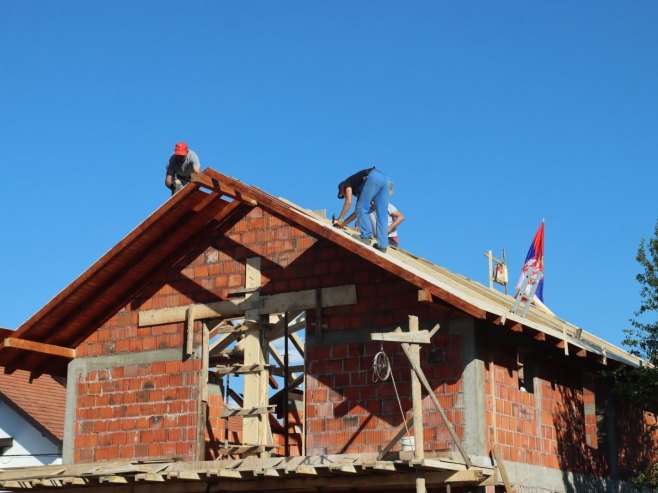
(182, 163)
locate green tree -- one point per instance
(643, 338)
(638, 387)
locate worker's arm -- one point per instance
(349, 219)
(346, 207)
(398, 217)
(196, 163)
(169, 179)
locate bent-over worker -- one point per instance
(182, 163)
(368, 185)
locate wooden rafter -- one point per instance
(39, 347)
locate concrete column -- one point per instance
(475, 423)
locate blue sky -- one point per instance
(488, 116)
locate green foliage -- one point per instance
(638, 387)
(643, 338)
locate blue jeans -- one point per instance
(375, 188)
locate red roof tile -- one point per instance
(42, 401)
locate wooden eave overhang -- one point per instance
(215, 198)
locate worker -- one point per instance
(395, 218)
(368, 185)
(182, 163)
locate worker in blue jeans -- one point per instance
(368, 185)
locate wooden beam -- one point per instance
(39, 347)
(222, 188)
(233, 329)
(516, 327)
(426, 295)
(298, 343)
(502, 469)
(254, 411)
(276, 303)
(189, 330)
(419, 337)
(401, 432)
(239, 369)
(580, 352)
(202, 413)
(277, 330)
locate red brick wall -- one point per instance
(348, 412)
(555, 426)
(140, 410)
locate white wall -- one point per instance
(30, 447)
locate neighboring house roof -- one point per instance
(213, 199)
(41, 401)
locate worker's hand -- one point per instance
(339, 224)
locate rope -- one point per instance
(381, 366)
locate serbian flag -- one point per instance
(535, 259)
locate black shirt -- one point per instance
(355, 182)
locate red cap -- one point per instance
(180, 149)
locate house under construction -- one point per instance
(235, 341)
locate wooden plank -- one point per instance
(291, 301)
(186, 475)
(222, 342)
(234, 329)
(420, 337)
(304, 300)
(252, 411)
(189, 330)
(306, 470)
(239, 369)
(252, 428)
(457, 302)
(229, 473)
(416, 398)
(277, 330)
(202, 399)
(343, 468)
(385, 466)
(424, 296)
(39, 347)
(298, 343)
(466, 476)
(74, 481)
(502, 469)
(150, 477)
(113, 479)
(516, 327)
(401, 432)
